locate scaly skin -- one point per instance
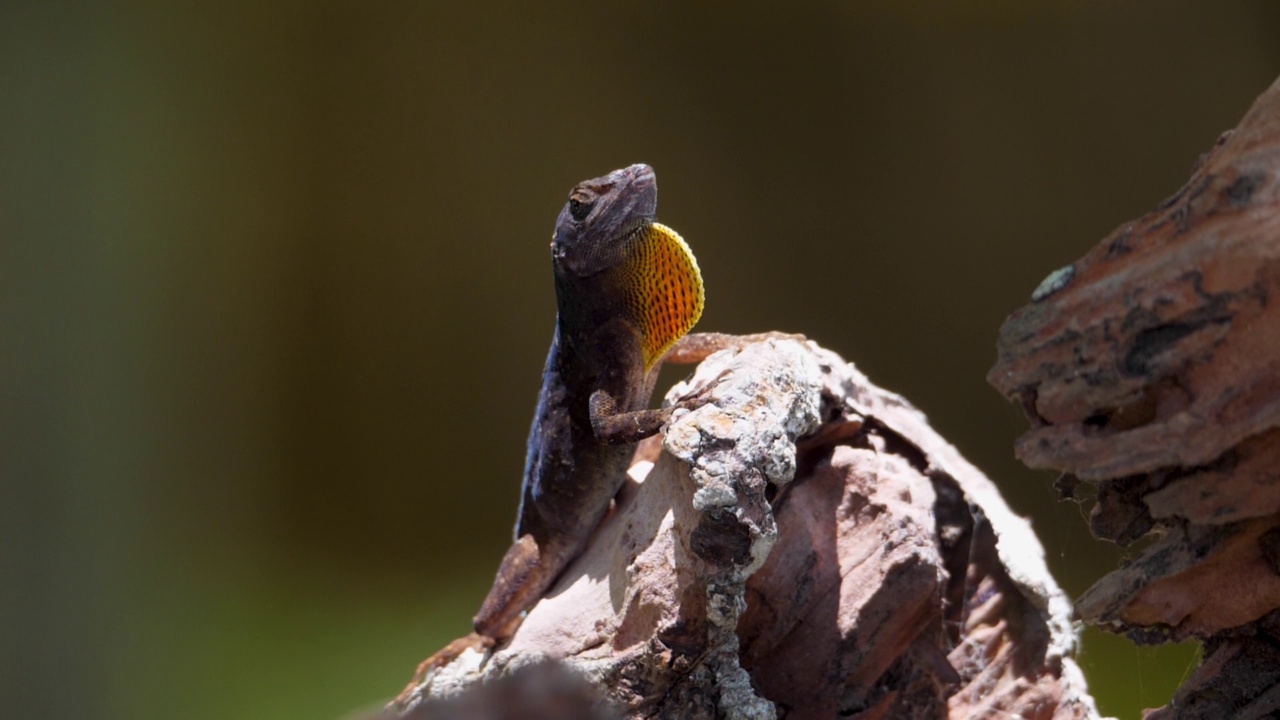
(627, 291)
(615, 320)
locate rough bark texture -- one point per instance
(1150, 369)
(803, 547)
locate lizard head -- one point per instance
(601, 216)
(606, 238)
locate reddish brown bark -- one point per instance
(1151, 369)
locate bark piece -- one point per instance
(1151, 368)
(804, 546)
(1195, 582)
(1234, 668)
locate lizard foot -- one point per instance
(702, 396)
(441, 658)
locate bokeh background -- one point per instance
(276, 292)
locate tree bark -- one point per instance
(1150, 369)
(805, 546)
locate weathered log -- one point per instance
(1150, 369)
(805, 546)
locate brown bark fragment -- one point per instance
(1243, 483)
(1193, 583)
(823, 612)
(1152, 369)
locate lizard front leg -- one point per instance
(612, 427)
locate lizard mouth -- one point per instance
(641, 174)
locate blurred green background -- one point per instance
(276, 290)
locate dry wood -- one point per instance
(1150, 369)
(803, 547)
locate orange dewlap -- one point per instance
(664, 289)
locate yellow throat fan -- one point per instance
(664, 289)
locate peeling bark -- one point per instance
(1150, 368)
(805, 546)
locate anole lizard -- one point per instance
(628, 290)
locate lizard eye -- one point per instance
(579, 209)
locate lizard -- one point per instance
(628, 290)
